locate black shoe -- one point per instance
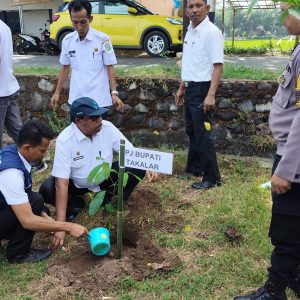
(39, 167)
(72, 213)
(295, 285)
(205, 185)
(32, 256)
(262, 294)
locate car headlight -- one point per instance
(174, 21)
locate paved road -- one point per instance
(265, 62)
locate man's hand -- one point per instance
(54, 100)
(179, 100)
(152, 176)
(78, 230)
(117, 102)
(57, 240)
(279, 185)
(209, 103)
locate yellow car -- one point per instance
(129, 24)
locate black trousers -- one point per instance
(20, 239)
(48, 191)
(285, 236)
(202, 159)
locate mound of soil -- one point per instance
(82, 272)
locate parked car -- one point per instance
(129, 24)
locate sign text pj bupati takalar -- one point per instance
(160, 162)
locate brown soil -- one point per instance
(94, 277)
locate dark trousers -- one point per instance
(20, 239)
(47, 189)
(285, 236)
(202, 159)
(10, 117)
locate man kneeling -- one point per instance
(21, 209)
(76, 152)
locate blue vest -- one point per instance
(10, 159)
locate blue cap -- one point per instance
(85, 106)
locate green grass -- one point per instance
(213, 267)
(285, 45)
(168, 71)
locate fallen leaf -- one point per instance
(187, 228)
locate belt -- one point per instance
(196, 83)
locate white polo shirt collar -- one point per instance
(88, 35)
(201, 26)
(25, 162)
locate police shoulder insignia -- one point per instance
(281, 79)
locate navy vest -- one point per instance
(10, 159)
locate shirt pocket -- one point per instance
(285, 90)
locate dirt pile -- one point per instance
(94, 277)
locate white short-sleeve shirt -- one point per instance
(88, 59)
(76, 154)
(12, 184)
(8, 82)
(203, 46)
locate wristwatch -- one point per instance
(115, 93)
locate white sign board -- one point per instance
(149, 160)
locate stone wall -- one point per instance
(151, 118)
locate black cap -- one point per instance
(85, 106)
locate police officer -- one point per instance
(285, 223)
(202, 65)
(21, 209)
(76, 152)
(91, 56)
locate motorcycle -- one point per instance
(28, 43)
(49, 47)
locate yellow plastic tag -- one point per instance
(207, 126)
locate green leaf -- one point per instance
(99, 158)
(137, 177)
(93, 173)
(113, 171)
(99, 177)
(284, 15)
(125, 179)
(109, 208)
(106, 170)
(96, 203)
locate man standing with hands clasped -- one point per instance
(91, 56)
(202, 66)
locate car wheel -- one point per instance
(61, 37)
(156, 43)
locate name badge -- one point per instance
(78, 157)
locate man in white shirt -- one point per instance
(202, 66)
(9, 110)
(21, 209)
(91, 56)
(77, 152)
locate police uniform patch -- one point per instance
(281, 79)
(107, 47)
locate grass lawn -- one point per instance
(284, 45)
(214, 266)
(166, 71)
